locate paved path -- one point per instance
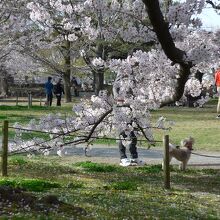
(110, 154)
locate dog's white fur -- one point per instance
(182, 154)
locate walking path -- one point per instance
(154, 155)
(110, 154)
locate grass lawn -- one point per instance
(23, 115)
(110, 192)
(200, 123)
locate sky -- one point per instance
(210, 19)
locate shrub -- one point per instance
(35, 185)
(125, 185)
(150, 169)
(18, 160)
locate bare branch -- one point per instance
(5, 55)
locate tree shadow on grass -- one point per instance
(205, 180)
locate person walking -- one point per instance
(217, 82)
(49, 91)
(59, 91)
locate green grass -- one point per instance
(113, 192)
(23, 115)
(18, 160)
(96, 167)
(199, 123)
(35, 185)
(124, 185)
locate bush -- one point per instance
(35, 185)
(18, 160)
(151, 169)
(125, 185)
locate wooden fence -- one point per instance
(16, 100)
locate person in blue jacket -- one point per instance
(49, 91)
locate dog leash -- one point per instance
(204, 155)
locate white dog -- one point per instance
(182, 154)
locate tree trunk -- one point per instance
(67, 87)
(99, 73)
(3, 86)
(167, 4)
(98, 81)
(67, 73)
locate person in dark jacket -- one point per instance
(59, 91)
(49, 91)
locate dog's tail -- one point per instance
(172, 147)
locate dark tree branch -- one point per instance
(3, 20)
(142, 131)
(5, 55)
(162, 31)
(172, 52)
(97, 123)
(184, 73)
(89, 63)
(213, 5)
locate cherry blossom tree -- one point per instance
(90, 23)
(8, 26)
(145, 80)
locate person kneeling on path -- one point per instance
(128, 138)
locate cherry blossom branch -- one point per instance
(98, 122)
(3, 20)
(87, 138)
(5, 55)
